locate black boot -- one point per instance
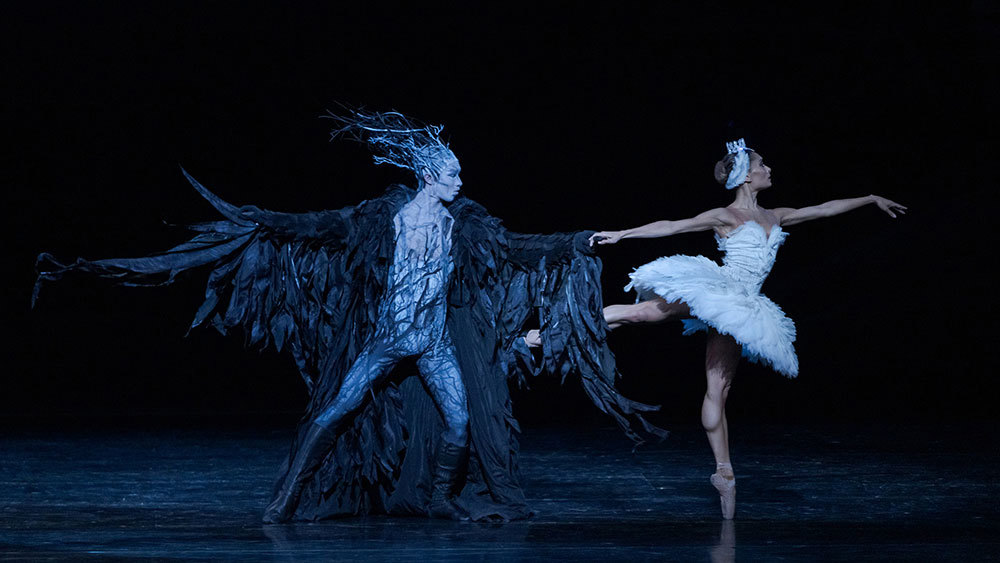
(449, 465)
(310, 454)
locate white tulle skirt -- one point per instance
(723, 303)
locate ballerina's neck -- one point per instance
(745, 199)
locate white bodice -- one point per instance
(749, 253)
(727, 298)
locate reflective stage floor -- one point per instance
(832, 493)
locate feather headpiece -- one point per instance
(741, 164)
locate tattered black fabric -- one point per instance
(312, 282)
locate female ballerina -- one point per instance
(725, 300)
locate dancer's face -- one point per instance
(447, 183)
(759, 176)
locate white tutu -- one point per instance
(727, 298)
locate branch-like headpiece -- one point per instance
(395, 139)
(741, 164)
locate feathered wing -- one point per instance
(493, 490)
(270, 273)
(559, 276)
(306, 282)
(501, 279)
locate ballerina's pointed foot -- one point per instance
(727, 494)
(533, 339)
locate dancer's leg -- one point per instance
(439, 369)
(652, 311)
(373, 362)
(655, 310)
(367, 370)
(722, 357)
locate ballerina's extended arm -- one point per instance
(706, 221)
(791, 216)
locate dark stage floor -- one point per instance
(805, 493)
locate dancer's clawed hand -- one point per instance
(887, 205)
(606, 237)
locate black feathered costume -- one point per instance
(312, 282)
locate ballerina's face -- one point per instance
(759, 176)
(447, 183)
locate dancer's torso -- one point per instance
(414, 306)
(749, 253)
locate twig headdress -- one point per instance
(395, 139)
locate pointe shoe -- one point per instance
(727, 494)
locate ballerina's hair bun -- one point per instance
(723, 168)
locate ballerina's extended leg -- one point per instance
(653, 311)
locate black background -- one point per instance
(564, 119)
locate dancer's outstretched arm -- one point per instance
(791, 216)
(719, 217)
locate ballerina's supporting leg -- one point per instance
(722, 357)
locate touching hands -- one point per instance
(606, 237)
(889, 206)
